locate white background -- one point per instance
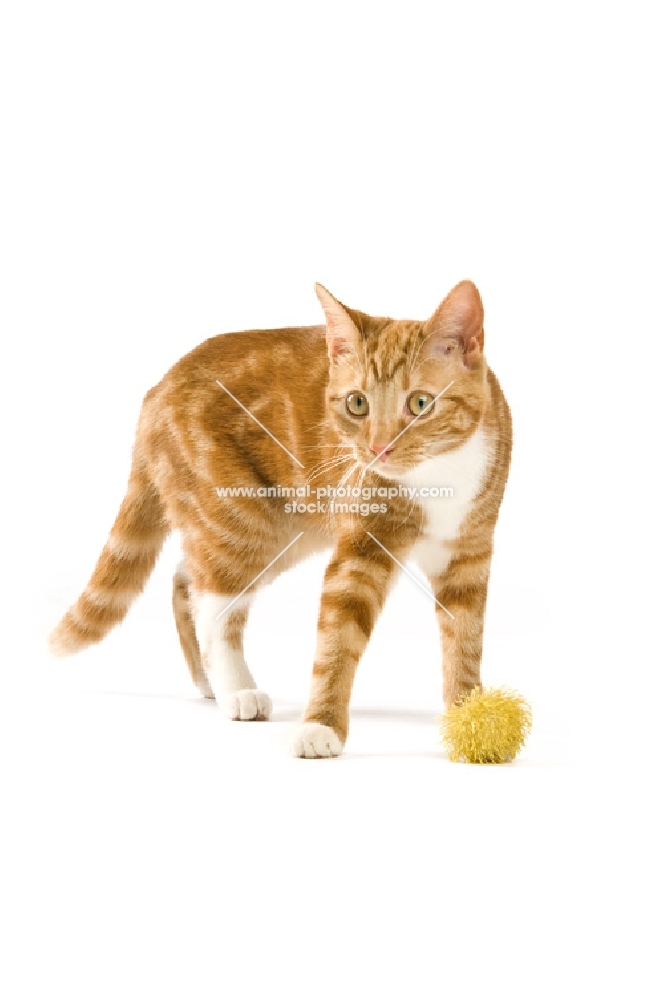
(172, 171)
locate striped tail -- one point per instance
(122, 569)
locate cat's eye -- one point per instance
(419, 402)
(357, 404)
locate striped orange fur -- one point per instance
(362, 401)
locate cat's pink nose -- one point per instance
(382, 450)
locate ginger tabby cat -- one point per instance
(374, 402)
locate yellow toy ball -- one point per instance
(486, 727)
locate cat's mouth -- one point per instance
(386, 467)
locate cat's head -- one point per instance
(402, 391)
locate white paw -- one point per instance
(247, 706)
(312, 739)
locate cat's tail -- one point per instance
(122, 570)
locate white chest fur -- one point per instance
(463, 470)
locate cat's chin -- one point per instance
(387, 471)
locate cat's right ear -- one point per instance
(343, 337)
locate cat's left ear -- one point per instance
(457, 325)
(343, 337)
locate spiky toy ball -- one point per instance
(486, 727)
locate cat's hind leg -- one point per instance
(219, 622)
(227, 677)
(184, 623)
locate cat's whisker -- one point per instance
(327, 470)
(321, 469)
(322, 447)
(347, 475)
(325, 467)
(360, 475)
(332, 459)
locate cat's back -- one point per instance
(226, 391)
(250, 364)
(253, 354)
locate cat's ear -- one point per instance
(343, 337)
(457, 326)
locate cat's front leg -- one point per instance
(354, 590)
(461, 600)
